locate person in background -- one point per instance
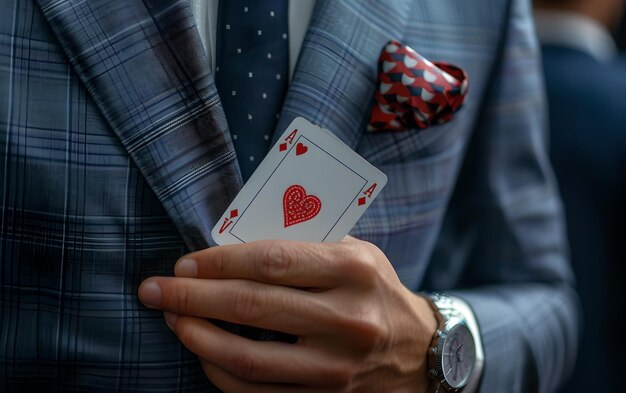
(586, 83)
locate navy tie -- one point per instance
(251, 73)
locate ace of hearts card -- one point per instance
(310, 187)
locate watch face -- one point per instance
(458, 357)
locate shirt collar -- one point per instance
(575, 31)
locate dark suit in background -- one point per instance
(587, 98)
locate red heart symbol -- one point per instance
(298, 206)
(301, 149)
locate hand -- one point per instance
(359, 329)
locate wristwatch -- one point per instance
(455, 355)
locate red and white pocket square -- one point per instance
(414, 92)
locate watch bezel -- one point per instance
(452, 325)
(449, 320)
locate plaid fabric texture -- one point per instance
(115, 159)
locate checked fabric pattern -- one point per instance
(116, 159)
(414, 92)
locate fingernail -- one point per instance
(150, 294)
(170, 319)
(186, 268)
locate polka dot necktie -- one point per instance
(251, 73)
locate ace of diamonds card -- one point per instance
(310, 187)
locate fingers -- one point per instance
(241, 361)
(239, 301)
(296, 264)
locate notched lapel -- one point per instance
(144, 65)
(335, 77)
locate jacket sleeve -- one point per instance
(505, 226)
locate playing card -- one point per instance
(310, 187)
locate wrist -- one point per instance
(424, 329)
(428, 323)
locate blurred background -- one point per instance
(583, 44)
(620, 36)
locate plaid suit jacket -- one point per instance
(115, 159)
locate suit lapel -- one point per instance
(144, 65)
(336, 75)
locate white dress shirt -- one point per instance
(576, 31)
(300, 11)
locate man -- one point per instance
(586, 84)
(117, 159)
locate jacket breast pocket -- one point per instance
(385, 147)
